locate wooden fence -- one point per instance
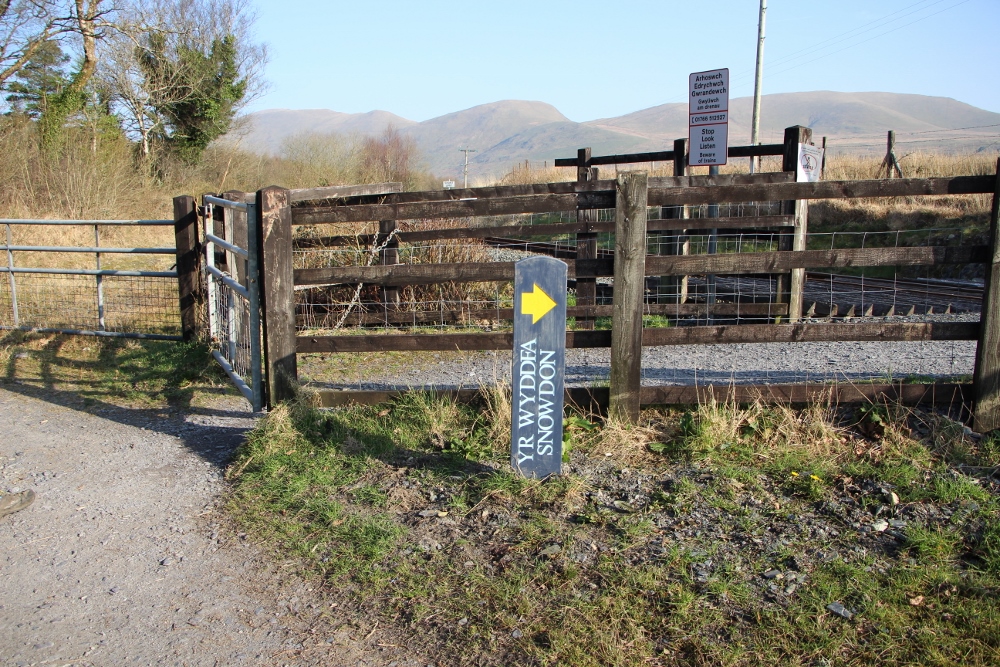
(630, 194)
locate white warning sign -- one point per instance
(708, 117)
(810, 164)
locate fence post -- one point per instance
(674, 289)
(986, 380)
(389, 256)
(278, 293)
(235, 222)
(791, 285)
(890, 163)
(626, 322)
(586, 242)
(191, 289)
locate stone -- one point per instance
(428, 513)
(517, 634)
(840, 610)
(463, 621)
(880, 526)
(551, 551)
(772, 574)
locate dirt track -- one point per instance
(125, 558)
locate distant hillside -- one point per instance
(511, 131)
(835, 115)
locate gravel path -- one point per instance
(125, 557)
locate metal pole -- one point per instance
(466, 171)
(13, 283)
(227, 231)
(210, 263)
(755, 127)
(100, 281)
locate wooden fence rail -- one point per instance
(702, 335)
(737, 222)
(596, 398)
(586, 198)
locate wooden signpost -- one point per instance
(538, 366)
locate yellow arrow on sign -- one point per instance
(536, 303)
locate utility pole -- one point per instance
(466, 172)
(755, 131)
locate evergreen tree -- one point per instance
(42, 78)
(199, 92)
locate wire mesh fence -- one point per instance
(129, 304)
(231, 313)
(913, 292)
(64, 276)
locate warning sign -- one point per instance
(538, 366)
(810, 164)
(708, 117)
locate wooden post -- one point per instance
(790, 286)
(277, 293)
(890, 163)
(626, 321)
(586, 242)
(986, 380)
(822, 167)
(236, 226)
(389, 256)
(674, 289)
(191, 289)
(219, 220)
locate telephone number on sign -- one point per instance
(695, 120)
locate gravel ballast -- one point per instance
(671, 365)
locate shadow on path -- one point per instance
(172, 374)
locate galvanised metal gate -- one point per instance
(234, 297)
(130, 292)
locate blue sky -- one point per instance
(425, 58)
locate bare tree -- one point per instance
(388, 157)
(25, 25)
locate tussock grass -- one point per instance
(554, 572)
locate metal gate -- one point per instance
(234, 296)
(126, 292)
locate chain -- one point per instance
(372, 255)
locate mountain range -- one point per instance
(511, 131)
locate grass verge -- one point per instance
(126, 372)
(718, 535)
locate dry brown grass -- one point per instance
(525, 174)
